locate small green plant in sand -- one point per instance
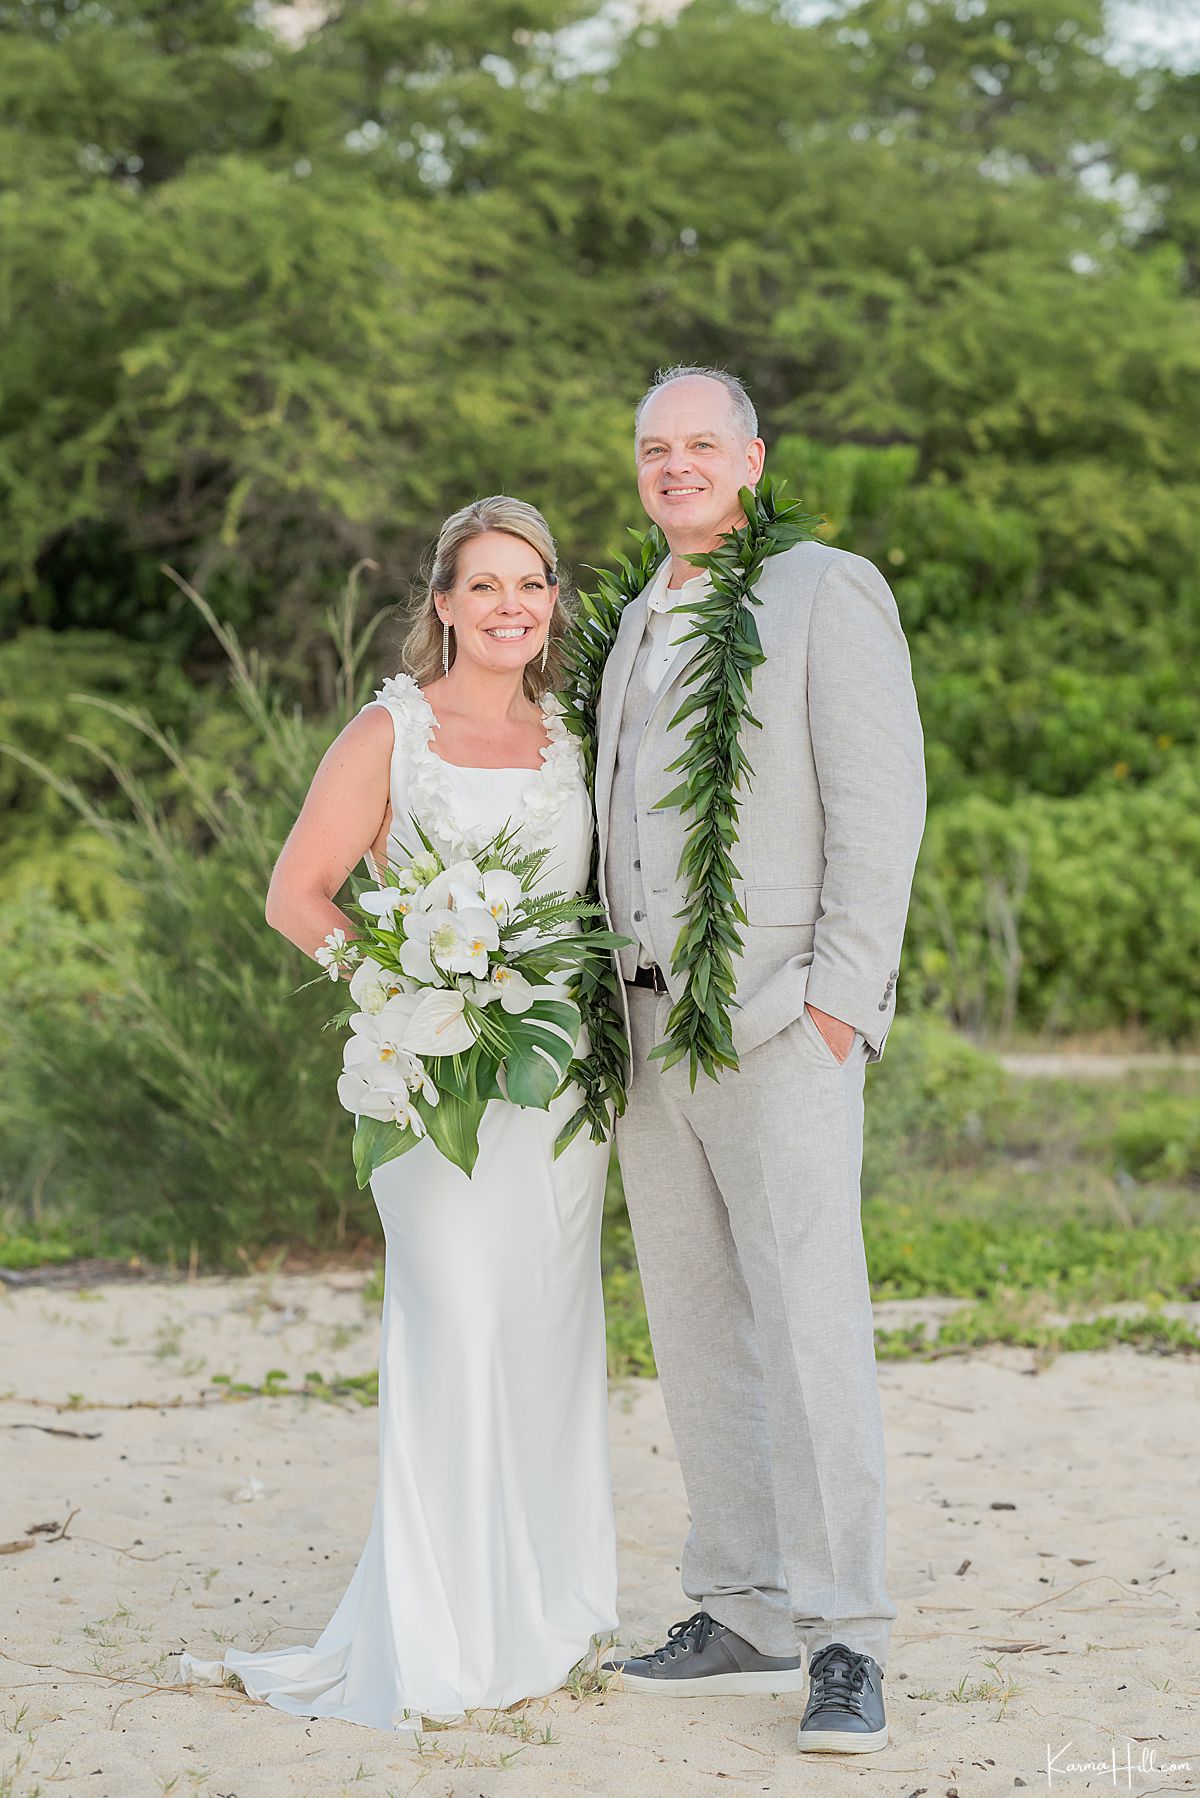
(587, 1679)
(1001, 1687)
(11, 1773)
(363, 1388)
(1015, 1320)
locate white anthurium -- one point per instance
(439, 1025)
(502, 895)
(371, 986)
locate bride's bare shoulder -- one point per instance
(362, 748)
(371, 729)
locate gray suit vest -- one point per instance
(622, 864)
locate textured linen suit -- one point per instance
(744, 1195)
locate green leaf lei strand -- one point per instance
(714, 764)
(601, 1076)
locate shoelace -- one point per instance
(687, 1638)
(838, 1677)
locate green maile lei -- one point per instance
(715, 768)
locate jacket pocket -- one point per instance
(783, 905)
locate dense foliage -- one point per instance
(274, 300)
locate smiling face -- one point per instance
(692, 458)
(500, 603)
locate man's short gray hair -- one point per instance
(740, 403)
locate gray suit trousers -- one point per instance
(744, 1200)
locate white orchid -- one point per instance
(378, 1036)
(502, 895)
(387, 904)
(439, 893)
(416, 962)
(439, 1026)
(478, 936)
(516, 994)
(456, 941)
(443, 977)
(416, 1075)
(371, 986)
(386, 1097)
(380, 1074)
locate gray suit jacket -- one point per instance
(832, 821)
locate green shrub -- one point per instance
(1160, 1139)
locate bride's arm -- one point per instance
(339, 821)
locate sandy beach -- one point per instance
(1044, 1554)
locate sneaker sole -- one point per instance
(717, 1685)
(841, 1741)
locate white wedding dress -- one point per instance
(491, 1560)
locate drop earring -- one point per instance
(445, 647)
(545, 651)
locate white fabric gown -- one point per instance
(491, 1559)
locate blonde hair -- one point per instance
(421, 648)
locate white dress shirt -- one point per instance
(667, 631)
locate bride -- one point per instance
(490, 1566)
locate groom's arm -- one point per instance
(870, 760)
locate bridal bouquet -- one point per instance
(463, 998)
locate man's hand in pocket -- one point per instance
(839, 1035)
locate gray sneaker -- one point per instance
(704, 1658)
(844, 1713)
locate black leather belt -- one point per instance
(653, 977)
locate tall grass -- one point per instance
(166, 1084)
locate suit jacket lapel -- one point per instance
(614, 682)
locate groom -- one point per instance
(744, 1194)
